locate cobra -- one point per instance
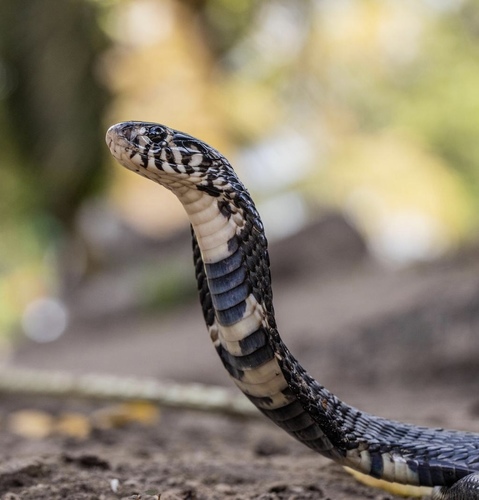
(232, 271)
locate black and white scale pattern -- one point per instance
(232, 270)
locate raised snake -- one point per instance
(232, 270)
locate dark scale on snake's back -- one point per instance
(232, 270)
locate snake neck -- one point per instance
(234, 283)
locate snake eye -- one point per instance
(157, 134)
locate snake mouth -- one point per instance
(120, 141)
(128, 140)
(116, 143)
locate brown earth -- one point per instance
(400, 343)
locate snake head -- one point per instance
(163, 154)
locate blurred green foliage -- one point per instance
(441, 104)
(53, 101)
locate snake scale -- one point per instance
(232, 270)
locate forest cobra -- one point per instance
(232, 270)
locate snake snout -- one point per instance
(127, 130)
(110, 134)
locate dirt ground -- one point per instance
(400, 343)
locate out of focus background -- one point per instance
(355, 125)
(361, 113)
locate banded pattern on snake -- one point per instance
(232, 270)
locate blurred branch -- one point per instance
(109, 387)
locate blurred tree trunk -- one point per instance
(54, 102)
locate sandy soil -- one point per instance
(402, 344)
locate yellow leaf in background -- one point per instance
(73, 425)
(33, 424)
(143, 412)
(126, 413)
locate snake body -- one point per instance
(232, 270)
